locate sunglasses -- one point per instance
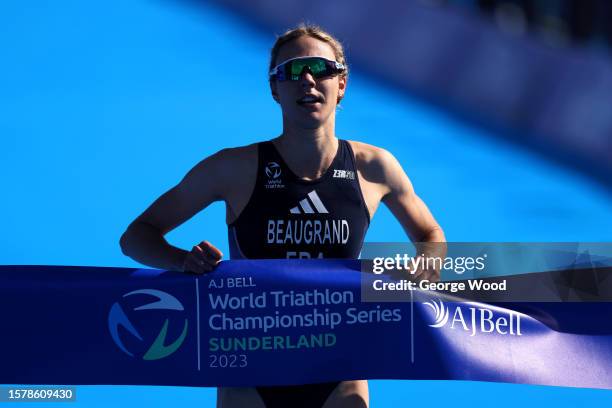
(292, 69)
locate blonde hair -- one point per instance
(313, 31)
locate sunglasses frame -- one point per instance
(275, 72)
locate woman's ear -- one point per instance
(273, 90)
(341, 87)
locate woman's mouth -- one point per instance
(309, 100)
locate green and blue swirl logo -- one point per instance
(140, 343)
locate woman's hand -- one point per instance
(424, 270)
(202, 258)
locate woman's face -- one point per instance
(291, 94)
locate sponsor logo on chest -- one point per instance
(344, 174)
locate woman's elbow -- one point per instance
(127, 240)
(124, 242)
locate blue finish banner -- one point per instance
(281, 322)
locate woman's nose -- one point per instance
(306, 79)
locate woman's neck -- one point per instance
(308, 152)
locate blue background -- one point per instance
(105, 105)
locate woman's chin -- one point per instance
(310, 120)
(310, 123)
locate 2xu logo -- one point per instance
(156, 349)
(475, 319)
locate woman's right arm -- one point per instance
(144, 239)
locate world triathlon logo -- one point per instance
(273, 170)
(148, 317)
(475, 318)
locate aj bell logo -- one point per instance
(273, 171)
(141, 342)
(476, 319)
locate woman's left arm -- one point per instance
(415, 218)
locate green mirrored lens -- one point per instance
(316, 66)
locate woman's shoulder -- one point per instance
(228, 164)
(231, 170)
(367, 154)
(238, 153)
(236, 159)
(378, 165)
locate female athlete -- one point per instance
(303, 194)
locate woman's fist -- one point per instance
(202, 258)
